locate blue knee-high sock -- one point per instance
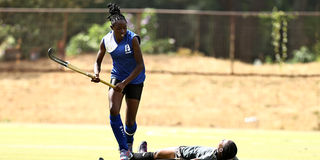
(118, 131)
(130, 132)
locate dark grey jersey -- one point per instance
(198, 152)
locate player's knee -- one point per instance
(114, 110)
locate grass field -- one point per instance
(89, 142)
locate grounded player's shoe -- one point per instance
(130, 146)
(125, 155)
(143, 147)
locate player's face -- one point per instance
(223, 142)
(120, 29)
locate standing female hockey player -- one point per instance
(128, 75)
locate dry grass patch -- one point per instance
(179, 91)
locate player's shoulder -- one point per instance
(109, 42)
(132, 35)
(108, 35)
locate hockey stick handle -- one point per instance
(74, 68)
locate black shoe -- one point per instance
(143, 147)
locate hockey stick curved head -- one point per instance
(56, 59)
(50, 51)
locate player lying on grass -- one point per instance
(226, 150)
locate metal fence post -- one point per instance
(232, 43)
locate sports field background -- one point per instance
(47, 113)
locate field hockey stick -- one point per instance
(72, 67)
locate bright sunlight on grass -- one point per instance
(89, 142)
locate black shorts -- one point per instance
(132, 91)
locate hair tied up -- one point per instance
(114, 9)
(115, 13)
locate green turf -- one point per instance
(89, 142)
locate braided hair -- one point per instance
(229, 150)
(115, 14)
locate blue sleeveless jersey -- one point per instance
(122, 57)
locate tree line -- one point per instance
(253, 35)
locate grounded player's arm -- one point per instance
(139, 60)
(97, 64)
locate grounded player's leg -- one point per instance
(143, 156)
(168, 153)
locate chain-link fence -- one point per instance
(245, 36)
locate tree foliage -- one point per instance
(45, 30)
(279, 34)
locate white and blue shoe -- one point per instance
(125, 154)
